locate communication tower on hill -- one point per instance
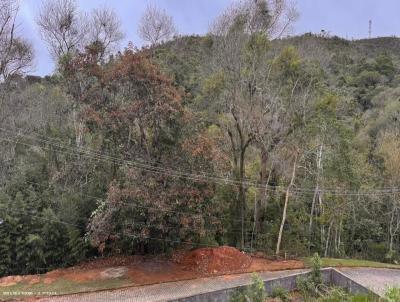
(370, 29)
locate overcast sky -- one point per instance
(345, 18)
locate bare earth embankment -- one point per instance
(125, 271)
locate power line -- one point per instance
(197, 177)
(146, 167)
(168, 171)
(247, 183)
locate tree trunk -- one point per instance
(235, 207)
(254, 224)
(242, 196)
(243, 144)
(394, 225)
(321, 213)
(260, 204)
(316, 192)
(339, 238)
(328, 239)
(278, 245)
(262, 191)
(78, 127)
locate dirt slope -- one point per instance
(122, 271)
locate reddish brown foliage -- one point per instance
(205, 147)
(126, 89)
(134, 111)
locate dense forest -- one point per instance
(241, 137)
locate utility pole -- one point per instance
(370, 29)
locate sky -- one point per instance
(345, 18)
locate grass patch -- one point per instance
(59, 287)
(333, 262)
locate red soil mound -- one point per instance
(219, 260)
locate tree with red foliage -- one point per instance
(134, 112)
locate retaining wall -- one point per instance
(330, 276)
(342, 280)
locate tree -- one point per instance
(33, 107)
(77, 247)
(246, 84)
(5, 251)
(16, 53)
(66, 29)
(156, 26)
(273, 18)
(105, 29)
(5, 236)
(55, 238)
(30, 253)
(134, 111)
(62, 26)
(287, 194)
(390, 150)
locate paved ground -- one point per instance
(169, 291)
(376, 279)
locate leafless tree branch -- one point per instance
(156, 26)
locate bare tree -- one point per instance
(105, 29)
(283, 14)
(255, 112)
(62, 26)
(273, 17)
(16, 53)
(156, 26)
(66, 29)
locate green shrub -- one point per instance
(363, 298)
(335, 295)
(308, 287)
(376, 251)
(305, 287)
(393, 294)
(316, 276)
(281, 293)
(255, 292)
(391, 256)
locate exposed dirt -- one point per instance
(114, 272)
(219, 260)
(260, 264)
(11, 280)
(139, 270)
(110, 262)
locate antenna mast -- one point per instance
(370, 29)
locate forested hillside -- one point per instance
(286, 146)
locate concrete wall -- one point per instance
(289, 283)
(330, 276)
(216, 296)
(342, 280)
